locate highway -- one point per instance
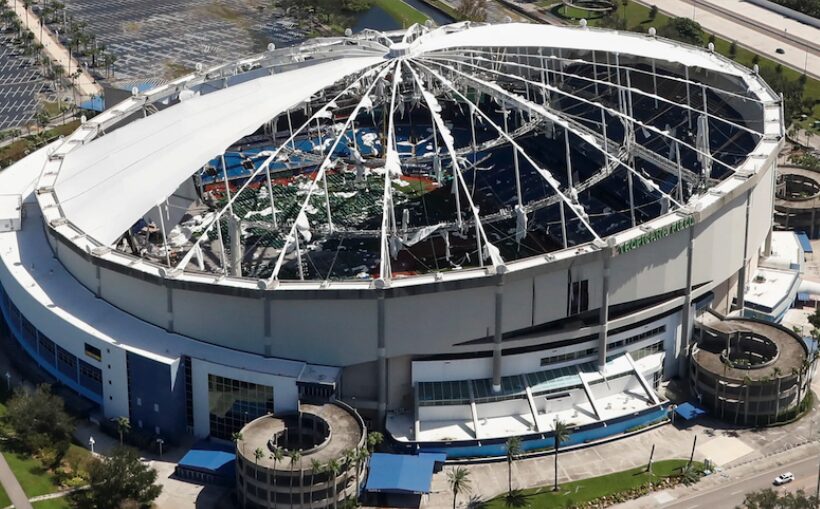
(753, 27)
(732, 492)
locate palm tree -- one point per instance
(123, 427)
(333, 468)
(315, 468)
(347, 457)
(294, 457)
(258, 454)
(374, 439)
(237, 437)
(277, 456)
(561, 434)
(459, 481)
(361, 455)
(513, 451)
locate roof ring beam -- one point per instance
(265, 164)
(472, 51)
(577, 209)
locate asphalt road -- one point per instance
(731, 493)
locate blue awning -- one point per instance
(804, 242)
(211, 458)
(803, 297)
(689, 411)
(94, 104)
(402, 473)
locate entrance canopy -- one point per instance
(402, 473)
(689, 411)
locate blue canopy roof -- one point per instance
(804, 242)
(689, 411)
(94, 104)
(210, 458)
(402, 473)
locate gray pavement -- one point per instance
(735, 450)
(745, 28)
(12, 486)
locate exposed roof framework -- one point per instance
(448, 154)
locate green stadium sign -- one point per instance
(657, 234)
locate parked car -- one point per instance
(780, 51)
(784, 478)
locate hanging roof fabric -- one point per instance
(107, 185)
(537, 35)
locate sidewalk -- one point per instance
(84, 84)
(12, 486)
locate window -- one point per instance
(569, 356)
(139, 423)
(233, 403)
(638, 337)
(93, 352)
(156, 407)
(139, 401)
(67, 363)
(47, 349)
(647, 350)
(90, 377)
(577, 297)
(156, 430)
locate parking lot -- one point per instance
(20, 84)
(166, 38)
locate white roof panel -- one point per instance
(536, 35)
(107, 185)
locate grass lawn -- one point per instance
(401, 12)
(579, 492)
(4, 499)
(20, 148)
(34, 479)
(637, 14)
(53, 503)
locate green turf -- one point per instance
(579, 492)
(53, 503)
(34, 479)
(4, 499)
(401, 12)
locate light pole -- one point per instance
(160, 442)
(91, 442)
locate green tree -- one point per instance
(120, 479)
(561, 434)
(683, 30)
(295, 457)
(123, 427)
(770, 499)
(39, 421)
(258, 454)
(514, 450)
(277, 456)
(459, 481)
(315, 468)
(472, 10)
(374, 439)
(333, 469)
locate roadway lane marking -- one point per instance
(738, 492)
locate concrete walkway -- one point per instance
(727, 446)
(12, 486)
(85, 84)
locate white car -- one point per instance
(783, 478)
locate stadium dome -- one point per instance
(349, 217)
